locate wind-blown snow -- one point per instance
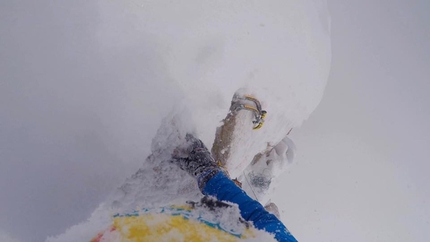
(6, 237)
(198, 53)
(279, 49)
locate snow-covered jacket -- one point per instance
(221, 187)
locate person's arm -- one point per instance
(221, 187)
(196, 160)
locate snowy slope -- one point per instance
(204, 51)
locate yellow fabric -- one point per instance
(163, 227)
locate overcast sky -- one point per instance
(363, 162)
(362, 171)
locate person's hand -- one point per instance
(193, 157)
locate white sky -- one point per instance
(362, 172)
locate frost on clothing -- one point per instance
(198, 162)
(207, 220)
(194, 158)
(257, 178)
(225, 190)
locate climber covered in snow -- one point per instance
(196, 160)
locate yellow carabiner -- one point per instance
(259, 125)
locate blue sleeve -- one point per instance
(221, 187)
